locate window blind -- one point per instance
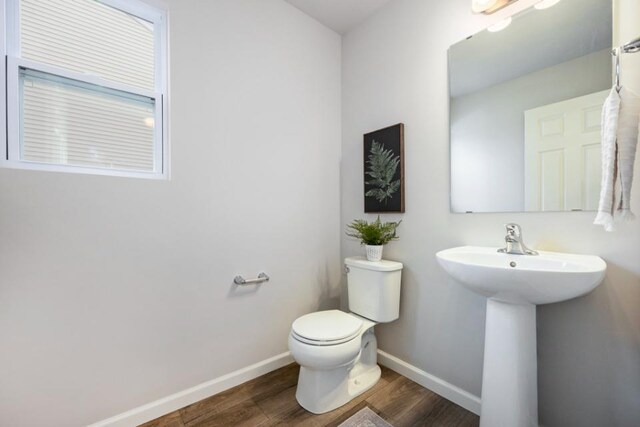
(89, 37)
(74, 123)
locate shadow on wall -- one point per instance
(600, 357)
(328, 296)
(329, 293)
(407, 323)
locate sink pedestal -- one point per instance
(514, 285)
(510, 374)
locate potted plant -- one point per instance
(374, 235)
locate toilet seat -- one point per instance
(324, 328)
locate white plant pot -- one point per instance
(374, 252)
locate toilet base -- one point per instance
(322, 390)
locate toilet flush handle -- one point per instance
(346, 269)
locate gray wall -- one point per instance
(395, 70)
(116, 292)
(487, 131)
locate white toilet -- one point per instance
(337, 351)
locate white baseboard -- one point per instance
(171, 403)
(439, 386)
(183, 398)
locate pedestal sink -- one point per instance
(514, 285)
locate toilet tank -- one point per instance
(374, 288)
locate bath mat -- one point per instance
(365, 418)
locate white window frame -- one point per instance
(10, 91)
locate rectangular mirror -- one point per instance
(525, 110)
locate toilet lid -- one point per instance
(327, 326)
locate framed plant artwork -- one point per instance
(384, 170)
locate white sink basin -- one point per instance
(534, 279)
(513, 285)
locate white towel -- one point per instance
(627, 145)
(620, 120)
(610, 111)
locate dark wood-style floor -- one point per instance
(270, 400)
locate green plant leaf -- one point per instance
(374, 233)
(381, 168)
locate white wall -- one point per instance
(487, 130)
(395, 70)
(115, 292)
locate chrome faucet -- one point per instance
(515, 245)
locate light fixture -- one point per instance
(545, 4)
(489, 6)
(500, 25)
(479, 6)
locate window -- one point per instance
(85, 87)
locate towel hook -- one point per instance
(616, 54)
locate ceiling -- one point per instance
(339, 15)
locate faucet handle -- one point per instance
(513, 229)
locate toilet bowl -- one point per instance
(337, 351)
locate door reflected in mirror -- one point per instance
(525, 106)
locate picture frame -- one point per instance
(383, 166)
